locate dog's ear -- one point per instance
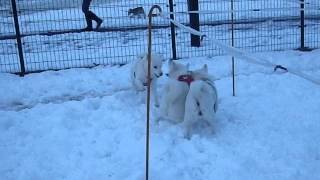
(171, 64)
(204, 69)
(141, 56)
(162, 57)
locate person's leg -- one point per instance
(90, 15)
(94, 17)
(85, 10)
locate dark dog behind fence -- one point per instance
(52, 37)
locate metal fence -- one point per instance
(52, 35)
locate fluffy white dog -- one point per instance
(201, 101)
(139, 74)
(175, 92)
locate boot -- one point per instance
(99, 22)
(89, 24)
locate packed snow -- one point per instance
(89, 124)
(265, 31)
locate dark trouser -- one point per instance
(89, 14)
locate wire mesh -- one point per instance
(53, 35)
(312, 23)
(258, 25)
(9, 60)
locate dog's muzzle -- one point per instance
(158, 75)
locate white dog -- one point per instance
(139, 74)
(201, 101)
(175, 93)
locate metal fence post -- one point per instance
(173, 31)
(232, 43)
(18, 36)
(302, 28)
(193, 5)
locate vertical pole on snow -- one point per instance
(232, 43)
(173, 32)
(302, 25)
(302, 28)
(18, 37)
(150, 15)
(193, 5)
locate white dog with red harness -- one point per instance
(139, 74)
(189, 97)
(175, 92)
(201, 101)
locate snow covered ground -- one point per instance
(88, 124)
(42, 52)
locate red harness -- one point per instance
(187, 78)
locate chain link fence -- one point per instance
(53, 38)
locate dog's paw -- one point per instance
(187, 136)
(187, 133)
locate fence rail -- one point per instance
(52, 35)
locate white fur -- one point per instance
(139, 74)
(175, 92)
(201, 101)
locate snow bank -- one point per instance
(87, 124)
